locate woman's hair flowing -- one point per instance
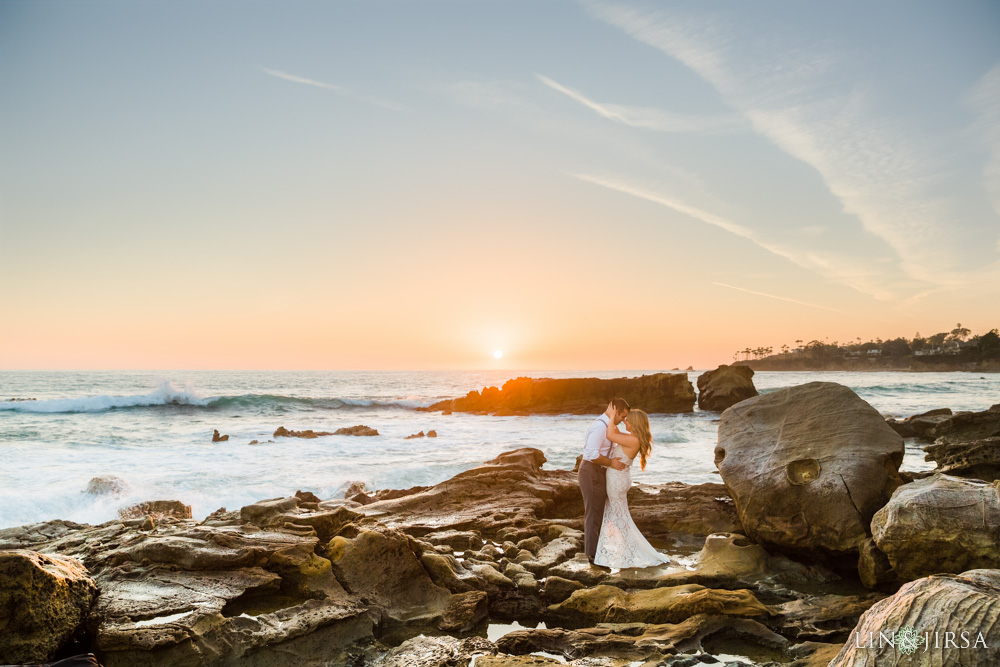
(638, 425)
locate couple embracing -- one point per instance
(611, 538)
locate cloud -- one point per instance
(809, 100)
(652, 119)
(340, 90)
(865, 275)
(781, 298)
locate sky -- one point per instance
(419, 184)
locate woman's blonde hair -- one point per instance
(638, 425)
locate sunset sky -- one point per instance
(416, 184)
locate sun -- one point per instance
(497, 354)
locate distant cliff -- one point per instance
(937, 363)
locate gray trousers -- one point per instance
(594, 488)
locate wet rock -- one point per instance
(356, 430)
(456, 540)
(436, 652)
(432, 434)
(968, 603)
(826, 618)
(662, 510)
(940, 524)
(638, 641)
(557, 589)
(158, 509)
(379, 565)
(44, 600)
(283, 432)
(307, 499)
(673, 604)
(464, 612)
(661, 392)
(354, 488)
(219, 438)
(724, 387)
(415, 435)
(808, 466)
(107, 485)
(978, 459)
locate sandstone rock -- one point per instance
(724, 387)
(356, 430)
(379, 565)
(456, 540)
(44, 600)
(874, 567)
(968, 603)
(639, 641)
(967, 426)
(978, 459)
(219, 438)
(158, 509)
(826, 618)
(808, 466)
(609, 604)
(432, 434)
(354, 488)
(464, 612)
(107, 485)
(557, 589)
(922, 425)
(415, 435)
(436, 652)
(283, 432)
(661, 392)
(940, 524)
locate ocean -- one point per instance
(154, 430)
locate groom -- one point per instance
(592, 471)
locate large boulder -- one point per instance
(661, 392)
(978, 459)
(43, 602)
(943, 620)
(808, 466)
(724, 387)
(940, 524)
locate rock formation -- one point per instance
(922, 618)
(44, 600)
(662, 392)
(978, 459)
(808, 466)
(219, 438)
(724, 387)
(940, 524)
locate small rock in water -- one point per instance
(107, 485)
(253, 442)
(219, 438)
(354, 430)
(283, 432)
(354, 488)
(432, 434)
(415, 435)
(157, 508)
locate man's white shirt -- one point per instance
(597, 439)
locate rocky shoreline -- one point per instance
(813, 537)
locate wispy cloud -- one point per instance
(340, 90)
(780, 298)
(883, 170)
(864, 275)
(652, 119)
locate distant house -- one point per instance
(874, 353)
(852, 353)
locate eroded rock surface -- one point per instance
(44, 600)
(940, 524)
(808, 466)
(724, 387)
(977, 459)
(967, 603)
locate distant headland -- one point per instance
(955, 350)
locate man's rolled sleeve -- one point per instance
(595, 438)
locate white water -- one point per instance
(154, 431)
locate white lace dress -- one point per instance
(621, 544)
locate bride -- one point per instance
(621, 544)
